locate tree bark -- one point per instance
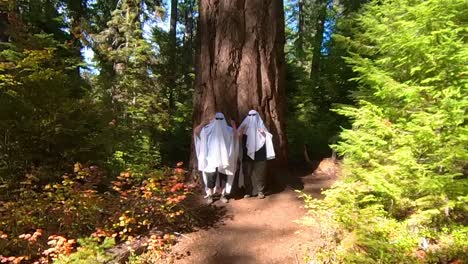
(240, 64)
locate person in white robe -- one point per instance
(257, 146)
(216, 146)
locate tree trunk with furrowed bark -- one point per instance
(240, 64)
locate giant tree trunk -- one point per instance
(241, 63)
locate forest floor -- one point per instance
(255, 230)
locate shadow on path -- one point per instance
(254, 230)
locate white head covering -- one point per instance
(217, 147)
(252, 125)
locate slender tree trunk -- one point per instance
(188, 44)
(318, 40)
(241, 63)
(300, 31)
(77, 9)
(172, 54)
(3, 26)
(173, 24)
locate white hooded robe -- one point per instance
(217, 147)
(253, 125)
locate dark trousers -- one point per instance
(254, 176)
(211, 179)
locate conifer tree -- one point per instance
(405, 157)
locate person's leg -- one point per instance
(258, 175)
(223, 181)
(210, 183)
(247, 171)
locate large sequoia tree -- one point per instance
(241, 63)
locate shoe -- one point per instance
(224, 199)
(247, 196)
(261, 195)
(209, 200)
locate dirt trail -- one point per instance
(254, 231)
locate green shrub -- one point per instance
(90, 251)
(404, 178)
(44, 222)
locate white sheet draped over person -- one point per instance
(217, 151)
(257, 149)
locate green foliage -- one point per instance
(42, 107)
(74, 208)
(90, 251)
(406, 155)
(55, 111)
(311, 95)
(149, 97)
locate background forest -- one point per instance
(96, 117)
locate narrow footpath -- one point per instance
(254, 230)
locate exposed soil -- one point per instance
(254, 230)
